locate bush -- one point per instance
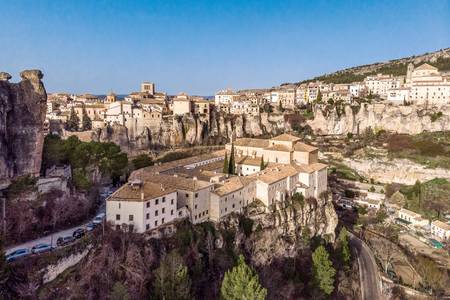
(142, 161)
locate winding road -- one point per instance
(368, 270)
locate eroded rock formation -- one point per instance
(22, 115)
(401, 119)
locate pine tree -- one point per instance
(172, 279)
(86, 121)
(323, 270)
(242, 282)
(73, 121)
(225, 164)
(232, 163)
(262, 165)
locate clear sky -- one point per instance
(201, 46)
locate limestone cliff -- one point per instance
(401, 119)
(193, 130)
(22, 115)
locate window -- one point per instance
(130, 227)
(156, 223)
(162, 221)
(171, 201)
(147, 216)
(117, 217)
(130, 218)
(226, 209)
(195, 217)
(195, 206)
(117, 227)
(147, 227)
(119, 205)
(196, 195)
(187, 195)
(163, 199)
(163, 210)
(156, 212)
(179, 213)
(233, 205)
(171, 212)
(206, 211)
(156, 201)
(148, 204)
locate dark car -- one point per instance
(79, 233)
(64, 240)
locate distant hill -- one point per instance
(397, 67)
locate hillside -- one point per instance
(397, 67)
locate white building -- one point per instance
(427, 85)
(225, 97)
(380, 84)
(398, 95)
(413, 218)
(440, 230)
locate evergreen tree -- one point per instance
(262, 165)
(323, 270)
(226, 164)
(345, 249)
(232, 164)
(172, 279)
(319, 96)
(119, 292)
(73, 121)
(242, 282)
(86, 121)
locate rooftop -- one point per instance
(176, 182)
(151, 190)
(233, 184)
(286, 137)
(441, 224)
(299, 146)
(425, 66)
(249, 142)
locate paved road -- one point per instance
(368, 270)
(48, 238)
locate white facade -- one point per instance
(440, 230)
(380, 84)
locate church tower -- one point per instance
(409, 72)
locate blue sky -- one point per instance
(201, 46)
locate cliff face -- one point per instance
(193, 130)
(22, 115)
(401, 119)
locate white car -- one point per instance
(99, 218)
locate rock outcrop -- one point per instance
(186, 130)
(22, 115)
(401, 119)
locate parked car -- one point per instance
(17, 254)
(91, 226)
(41, 248)
(64, 240)
(79, 233)
(99, 218)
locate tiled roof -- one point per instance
(248, 142)
(441, 224)
(247, 160)
(425, 66)
(299, 146)
(286, 137)
(278, 148)
(133, 193)
(176, 182)
(233, 184)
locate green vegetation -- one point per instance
(262, 164)
(344, 172)
(21, 184)
(242, 282)
(84, 158)
(119, 292)
(172, 279)
(73, 121)
(323, 270)
(431, 149)
(142, 161)
(232, 165)
(429, 198)
(86, 121)
(435, 116)
(225, 164)
(433, 278)
(344, 247)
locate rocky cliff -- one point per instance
(193, 130)
(401, 119)
(22, 115)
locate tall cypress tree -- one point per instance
(262, 165)
(73, 121)
(86, 121)
(225, 164)
(232, 164)
(242, 282)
